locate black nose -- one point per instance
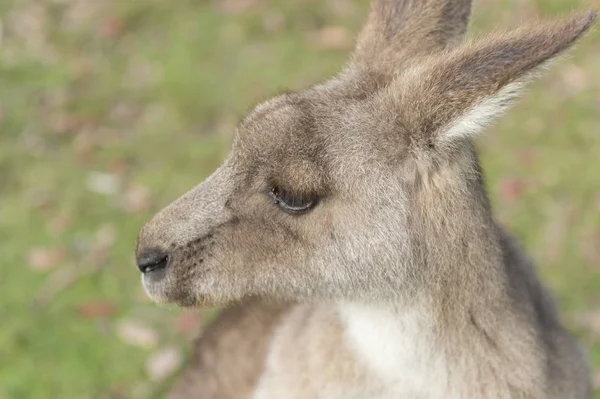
(152, 260)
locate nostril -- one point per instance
(153, 260)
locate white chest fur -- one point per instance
(394, 355)
(399, 347)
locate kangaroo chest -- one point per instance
(364, 353)
(398, 348)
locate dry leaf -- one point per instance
(332, 38)
(232, 7)
(137, 334)
(112, 27)
(59, 223)
(106, 236)
(344, 9)
(84, 147)
(589, 246)
(189, 324)
(596, 380)
(163, 363)
(39, 199)
(528, 157)
(105, 239)
(559, 219)
(123, 112)
(59, 281)
(45, 259)
(574, 78)
(273, 21)
(80, 12)
(97, 310)
(140, 73)
(118, 166)
(60, 122)
(81, 67)
(137, 199)
(591, 321)
(512, 189)
(103, 183)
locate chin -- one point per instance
(161, 293)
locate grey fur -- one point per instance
(403, 227)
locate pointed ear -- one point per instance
(399, 29)
(455, 94)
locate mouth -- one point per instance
(155, 286)
(204, 301)
(155, 277)
(163, 289)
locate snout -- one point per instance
(152, 255)
(161, 237)
(154, 265)
(151, 261)
(154, 262)
(174, 248)
(156, 253)
(171, 253)
(156, 259)
(172, 265)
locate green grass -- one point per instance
(149, 93)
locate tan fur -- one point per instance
(396, 31)
(247, 353)
(398, 282)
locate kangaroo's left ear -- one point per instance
(453, 95)
(397, 30)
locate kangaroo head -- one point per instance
(362, 187)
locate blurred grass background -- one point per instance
(111, 109)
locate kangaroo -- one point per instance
(350, 237)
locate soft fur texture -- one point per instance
(398, 283)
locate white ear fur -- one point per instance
(481, 115)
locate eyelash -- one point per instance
(290, 203)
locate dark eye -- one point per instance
(291, 203)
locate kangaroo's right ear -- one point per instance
(451, 96)
(397, 30)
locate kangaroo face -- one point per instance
(288, 214)
(358, 188)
